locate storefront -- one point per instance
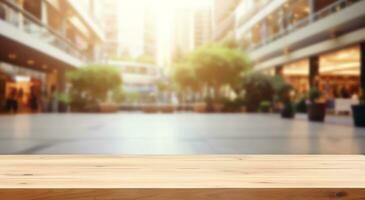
(339, 73)
(297, 74)
(336, 74)
(24, 86)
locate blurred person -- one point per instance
(20, 99)
(20, 94)
(52, 100)
(33, 101)
(355, 96)
(45, 101)
(345, 93)
(11, 102)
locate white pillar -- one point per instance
(19, 17)
(44, 12)
(311, 10)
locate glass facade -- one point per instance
(297, 74)
(339, 73)
(337, 77)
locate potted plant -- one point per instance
(358, 112)
(283, 90)
(91, 86)
(233, 106)
(64, 101)
(258, 88)
(108, 107)
(241, 105)
(200, 107)
(301, 105)
(167, 108)
(316, 108)
(150, 108)
(265, 106)
(218, 105)
(288, 111)
(115, 99)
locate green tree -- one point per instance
(217, 65)
(92, 84)
(231, 42)
(118, 95)
(282, 89)
(185, 79)
(258, 88)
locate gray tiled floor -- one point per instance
(188, 133)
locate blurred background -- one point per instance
(239, 60)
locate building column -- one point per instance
(64, 16)
(313, 71)
(44, 12)
(20, 17)
(312, 9)
(362, 65)
(61, 81)
(2, 92)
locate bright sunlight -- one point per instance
(161, 13)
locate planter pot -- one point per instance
(189, 108)
(217, 107)
(317, 112)
(180, 108)
(201, 108)
(358, 113)
(62, 108)
(150, 109)
(243, 109)
(108, 108)
(287, 114)
(265, 110)
(167, 109)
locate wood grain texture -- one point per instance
(212, 177)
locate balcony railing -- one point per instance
(331, 9)
(21, 19)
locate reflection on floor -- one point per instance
(175, 134)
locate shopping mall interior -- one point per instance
(338, 76)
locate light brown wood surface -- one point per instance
(230, 177)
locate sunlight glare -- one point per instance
(133, 11)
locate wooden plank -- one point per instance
(183, 194)
(212, 177)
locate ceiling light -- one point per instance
(30, 62)
(12, 56)
(19, 78)
(44, 66)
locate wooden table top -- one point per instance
(181, 172)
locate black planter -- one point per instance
(62, 107)
(317, 112)
(358, 113)
(287, 114)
